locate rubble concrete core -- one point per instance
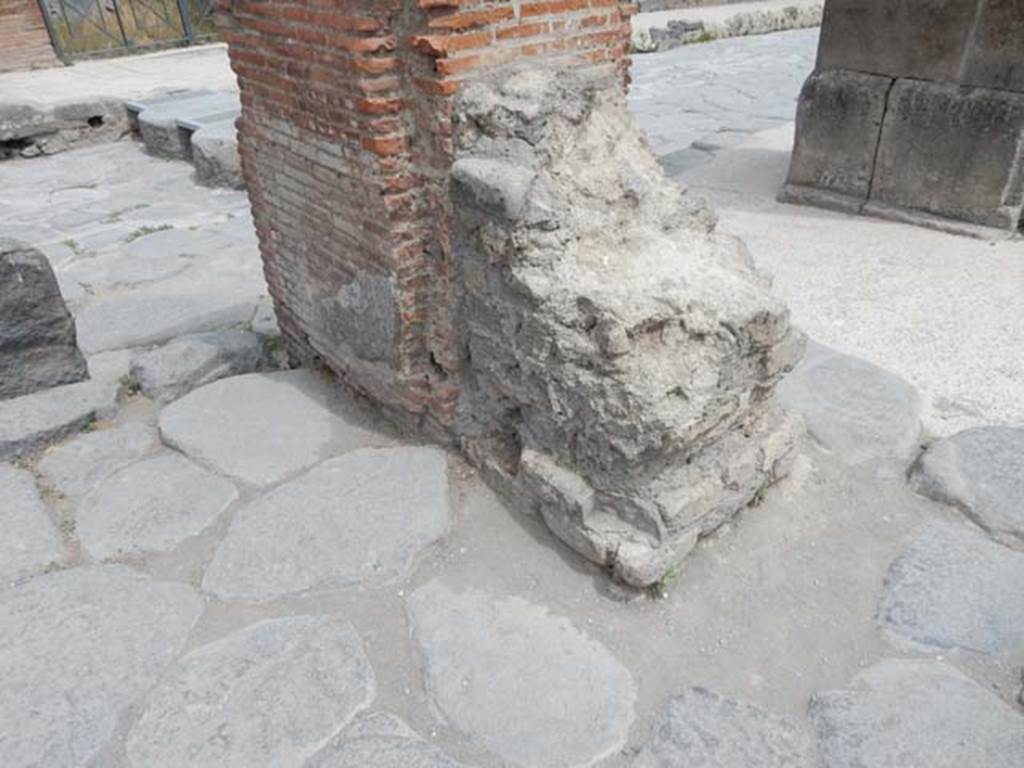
(619, 355)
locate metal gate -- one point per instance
(81, 28)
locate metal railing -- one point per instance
(83, 28)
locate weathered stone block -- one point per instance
(839, 120)
(995, 52)
(38, 348)
(953, 152)
(923, 39)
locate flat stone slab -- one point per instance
(702, 728)
(854, 409)
(79, 646)
(916, 714)
(158, 123)
(76, 466)
(139, 320)
(981, 471)
(525, 684)
(380, 741)
(262, 427)
(365, 516)
(115, 268)
(189, 362)
(152, 505)
(953, 586)
(269, 694)
(29, 542)
(176, 242)
(31, 421)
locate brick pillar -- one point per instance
(24, 41)
(346, 144)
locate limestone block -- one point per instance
(215, 155)
(994, 58)
(952, 152)
(922, 39)
(839, 120)
(37, 334)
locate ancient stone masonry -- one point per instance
(620, 354)
(916, 110)
(490, 253)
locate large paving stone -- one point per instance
(982, 472)
(904, 713)
(76, 466)
(189, 362)
(31, 421)
(29, 542)
(360, 517)
(955, 587)
(525, 684)
(853, 408)
(380, 740)
(701, 728)
(79, 646)
(151, 506)
(267, 695)
(261, 428)
(139, 320)
(37, 334)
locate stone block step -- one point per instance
(158, 123)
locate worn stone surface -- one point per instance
(261, 427)
(363, 316)
(916, 714)
(838, 123)
(150, 506)
(954, 587)
(188, 362)
(380, 740)
(29, 542)
(158, 122)
(952, 152)
(981, 471)
(31, 421)
(365, 517)
(269, 694)
(494, 662)
(638, 386)
(74, 467)
(38, 348)
(139, 320)
(993, 58)
(79, 647)
(215, 155)
(922, 39)
(665, 31)
(701, 729)
(854, 408)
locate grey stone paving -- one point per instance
(982, 472)
(150, 506)
(29, 422)
(916, 714)
(268, 695)
(74, 467)
(855, 409)
(366, 515)
(701, 729)
(29, 542)
(261, 428)
(380, 740)
(524, 683)
(694, 100)
(188, 362)
(80, 646)
(955, 587)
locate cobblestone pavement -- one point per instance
(235, 565)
